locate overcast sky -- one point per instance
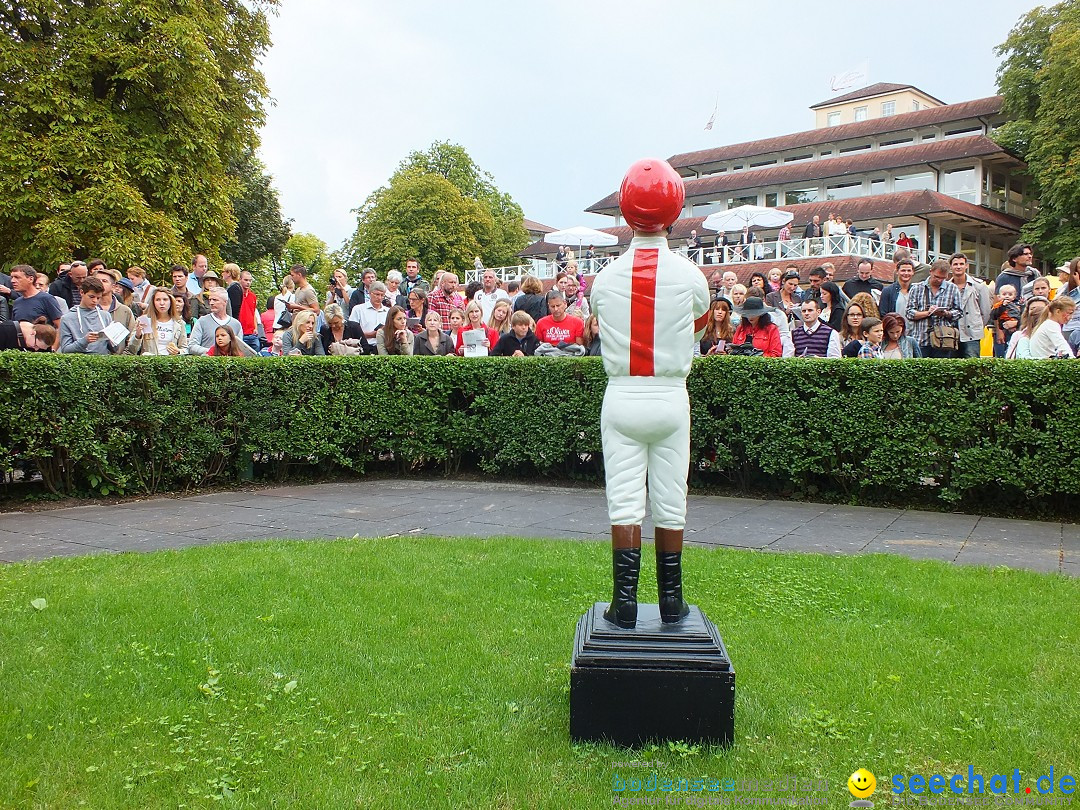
(556, 99)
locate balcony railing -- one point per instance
(776, 250)
(770, 250)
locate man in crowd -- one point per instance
(118, 311)
(360, 294)
(248, 312)
(199, 266)
(490, 294)
(5, 297)
(200, 304)
(817, 278)
(1020, 271)
(559, 334)
(306, 297)
(894, 298)
(82, 328)
(202, 333)
(371, 315)
(69, 287)
(513, 290)
(934, 302)
(974, 306)
(413, 279)
(446, 298)
(32, 305)
(727, 284)
(179, 275)
(813, 338)
(864, 282)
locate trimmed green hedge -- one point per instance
(973, 433)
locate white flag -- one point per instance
(858, 76)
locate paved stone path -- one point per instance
(380, 508)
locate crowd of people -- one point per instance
(946, 313)
(92, 309)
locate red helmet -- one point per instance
(651, 196)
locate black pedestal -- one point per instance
(655, 682)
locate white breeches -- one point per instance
(645, 428)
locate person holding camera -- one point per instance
(338, 290)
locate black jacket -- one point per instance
(535, 305)
(509, 343)
(63, 287)
(352, 330)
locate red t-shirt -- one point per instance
(492, 336)
(248, 313)
(569, 329)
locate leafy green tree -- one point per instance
(119, 123)
(441, 208)
(260, 233)
(1040, 81)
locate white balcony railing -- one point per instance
(541, 268)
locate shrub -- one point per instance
(958, 432)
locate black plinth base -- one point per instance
(655, 682)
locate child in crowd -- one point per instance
(520, 341)
(457, 320)
(1005, 317)
(226, 344)
(873, 333)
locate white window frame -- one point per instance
(888, 109)
(861, 113)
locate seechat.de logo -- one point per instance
(861, 785)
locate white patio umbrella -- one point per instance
(580, 235)
(753, 216)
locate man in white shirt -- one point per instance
(371, 314)
(490, 294)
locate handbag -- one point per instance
(284, 320)
(943, 336)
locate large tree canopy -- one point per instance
(120, 119)
(1040, 81)
(261, 233)
(441, 208)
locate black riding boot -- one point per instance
(669, 575)
(626, 565)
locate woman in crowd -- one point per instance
(394, 296)
(759, 279)
(286, 296)
(832, 307)
(338, 290)
(866, 303)
(457, 321)
(757, 328)
(870, 345)
(1019, 347)
(471, 289)
(500, 317)
(897, 345)
(903, 241)
(851, 333)
(417, 309)
(433, 341)
(300, 338)
(1040, 288)
(592, 337)
(339, 330)
(718, 331)
(165, 333)
(1047, 341)
(474, 320)
(573, 290)
(226, 344)
(532, 298)
(1072, 286)
(393, 337)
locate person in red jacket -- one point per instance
(757, 328)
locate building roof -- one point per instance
(879, 89)
(857, 209)
(537, 227)
(822, 168)
(815, 137)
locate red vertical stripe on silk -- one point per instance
(643, 312)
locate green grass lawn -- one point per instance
(435, 673)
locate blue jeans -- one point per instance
(253, 342)
(969, 348)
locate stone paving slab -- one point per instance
(489, 509)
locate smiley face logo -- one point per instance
(862, 784)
